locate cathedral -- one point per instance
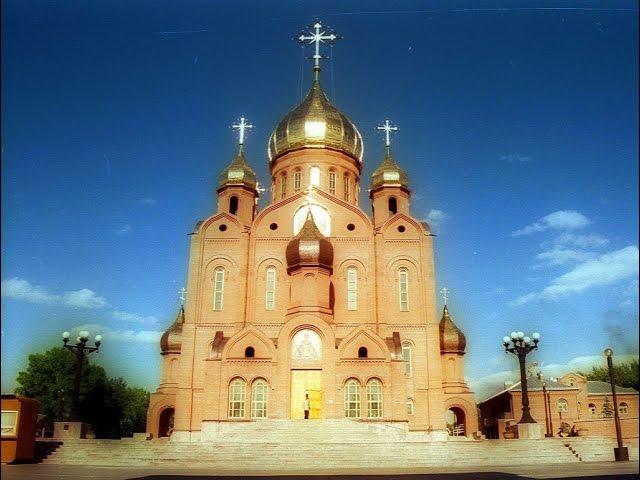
(311, 308)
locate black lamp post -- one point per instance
(545, 402)
(520, 345)
(621, 453)
(81, 350)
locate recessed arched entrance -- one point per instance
(165, 422)
(456, 422)
(306, 375)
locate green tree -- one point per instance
(112, 408)
(626, 374)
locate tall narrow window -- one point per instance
(314, 177)
(406, 356)
(218, 288)
(297, 180)
(332, 182)
(352, 288)
(352, 399)
(374, 398)
(283, 185)
(270, 294)
(259, 392)
(347, 193)
(403, 286)
(409, 406)
(393, 205)
(237, 397)
(233, 205)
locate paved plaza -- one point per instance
(594, 471)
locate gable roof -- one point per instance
(596, 387)
(533, 384)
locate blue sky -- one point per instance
(518, 127)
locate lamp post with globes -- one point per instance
(520, 345)
(81, 350)
(621, 453)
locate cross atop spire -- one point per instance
(388, 128)
(241, 126)
(182, 292)
(445, 295)
(318, 36)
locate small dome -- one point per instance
(171, 340)
(452, 339)
(315, 123)
(309, 247)
(389, 173)
(238, 173)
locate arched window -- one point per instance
(270, 289)
(352, 399)
(249, 352)
(623, 408)
(362, 352)
(352, 288)
(563, 406)
(403, 286)
(332, 182)
(374, 398)
(592, 410)
(233, 205)
(393, 205)
(283, 185)
(218, 288)
(297, 180)
(409, 406)
(173, 369)
(314, 176)
(406, 356)
(237, 398)
(347, 193)
(259, 395)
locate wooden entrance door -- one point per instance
(306, 382)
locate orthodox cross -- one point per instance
(182, 292)
(318, 37)
(445, 294)
(386, 126)
(241, 126)
(260, 188)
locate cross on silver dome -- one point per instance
(318, 36)
(388, 128)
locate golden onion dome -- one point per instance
(309, 247)
(389, 173)
(452, 340)
(315, 123)
(238, 172)
(171, 340)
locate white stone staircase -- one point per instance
(328, 446)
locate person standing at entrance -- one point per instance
(307, 406)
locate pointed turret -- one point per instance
(171, 340)
(238, 172)
(452, 340)
(389, 173)
(309, 247)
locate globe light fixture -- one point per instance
(520, 345)
(80, 350)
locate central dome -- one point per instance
(315, 123)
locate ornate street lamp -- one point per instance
(621, 453)
(520, 345)
(81, 350)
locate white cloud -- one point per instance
(592, 240)
(124, 229)
(23, 290)
(559, 256)
(131, 336)
(560, 220)
(148, 201)
(84, 298)
(133, 317)
(608, 268)
(515, 158)
(435, 217)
